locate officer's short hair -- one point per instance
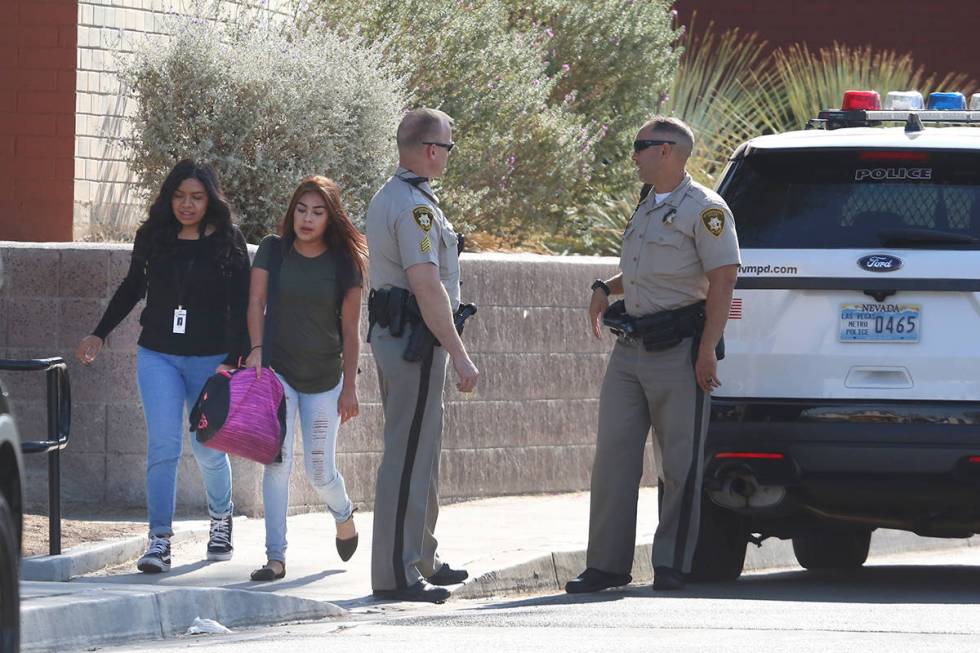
(674, 127)
(421, 125)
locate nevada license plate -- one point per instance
(880, 322)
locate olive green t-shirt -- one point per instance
(305, 346)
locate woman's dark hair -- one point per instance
(161, 227)
(341, 236)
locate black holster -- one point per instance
(387, 308)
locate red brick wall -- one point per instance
(940, 35)
(37, 118)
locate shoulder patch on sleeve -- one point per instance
(714, 221)
(423, 217)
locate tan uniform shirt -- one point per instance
(668, 247)
(405, 227)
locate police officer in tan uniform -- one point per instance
(413, 247)
(678, 269)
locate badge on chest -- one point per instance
(180, 319)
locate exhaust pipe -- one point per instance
(742, 491)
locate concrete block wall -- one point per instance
(530, 427)
(106, 201)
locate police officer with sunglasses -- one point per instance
(414, 271)
(678, 269)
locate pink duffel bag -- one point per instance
(242, 415)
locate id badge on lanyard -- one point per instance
(180, 319)
(180, 313)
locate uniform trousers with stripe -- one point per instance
(644, 389)
(406, 500)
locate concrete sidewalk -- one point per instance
(509, 545)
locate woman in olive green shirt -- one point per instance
(303, 313)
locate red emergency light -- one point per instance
(858, 100)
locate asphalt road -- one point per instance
(916, 602)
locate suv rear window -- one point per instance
(855, 198)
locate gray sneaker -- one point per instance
(157, 556)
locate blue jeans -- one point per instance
(320, 421)
(167, 384)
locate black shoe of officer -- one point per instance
(421, 592)
(667, 578)
(593, 580)
(448, 576)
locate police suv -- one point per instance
(851, 387)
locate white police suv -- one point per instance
(851, 396)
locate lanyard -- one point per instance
(183, 281)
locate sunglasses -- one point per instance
(447, 146)
(639, 146)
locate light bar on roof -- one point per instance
(836, 119)
(975, 102)
(904, 100)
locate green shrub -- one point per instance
(517, 154)
(265, 106)
(613, 62)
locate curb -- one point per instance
(87, 558)
(106, 614)
(550, 572)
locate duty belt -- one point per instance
(657, 331)
(394, 308)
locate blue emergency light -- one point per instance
(946, 102)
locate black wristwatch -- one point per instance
(599, 283)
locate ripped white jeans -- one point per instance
(319, 421)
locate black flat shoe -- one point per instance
(421, 592)
(667, 578)
(266, 572)
(594, 580)
(448, 576)
(346, 548)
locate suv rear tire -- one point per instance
(832, 549)
(722, 538)
(9, 589)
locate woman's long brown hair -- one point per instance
(340, 236)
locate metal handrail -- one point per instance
(59, 431)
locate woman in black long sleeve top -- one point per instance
(191, 264)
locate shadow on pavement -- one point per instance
(283, 584)
(893, 584)
(139, 578)
(606, 596)
(953, 584)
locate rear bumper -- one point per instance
(911, 465)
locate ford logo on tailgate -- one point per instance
(880, 263)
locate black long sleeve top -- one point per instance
(190, 277)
